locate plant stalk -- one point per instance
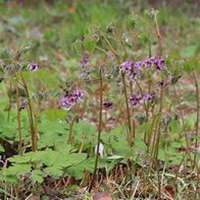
(99, 129)
(31, 116)
(19, 120)
(129, 137)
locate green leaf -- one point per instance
(20, 159)
(17, 170)
(53, 171)
(37, 176)
(78, 170)
(122, 148)
(175, 126)
(85, 130)
(52, 132)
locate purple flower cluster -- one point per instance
(71, 98)
(132, 69)
(33, 67)
(157, 62)
(136, 99)
(127, 66)
(149, 97)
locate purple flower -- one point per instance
(149, 97)
(84, 60)
(71, 98)
(126, 66)
(148, 62)
(107, 105)
(130, 68)
(33, 67)
(135, 99)
(78, 94)
(138, 65)
(157, 62)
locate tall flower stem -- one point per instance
(129, 137)
(158, 34)
(198, 115)
(157, 141)
(19, 119)
(133, 112)
(9, 100)
(70, 137)
(159, 124)
(31, 116)
(99, 128)
(131, 125)
(197, 130)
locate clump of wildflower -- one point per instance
(107, 105)
(130, 68)
(71, 99)
(157, 62)
(149, 97)
(136, 99)
(126, 66)
(138, 65)
(33, 67)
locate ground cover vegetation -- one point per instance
(99, 96)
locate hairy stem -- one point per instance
(159, 123)
(31, 116)
(129, 138)
(70, 137)
(9, 100)
(158, 35)
(196, 131)
(99, 129)
(197, 115)
(19, 119)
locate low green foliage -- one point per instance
(43, 144)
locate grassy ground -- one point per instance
(47, 144)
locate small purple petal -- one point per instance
(149, 97)
(33, 67)
(135, 99)
(138, 65)
(126, 66)
(71, 99)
